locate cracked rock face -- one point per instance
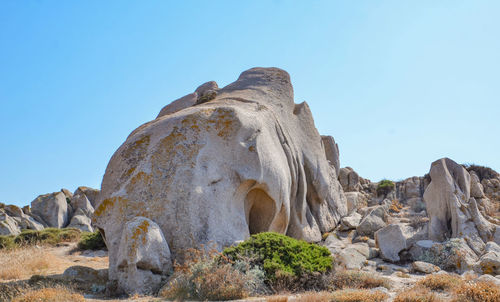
(245, 159)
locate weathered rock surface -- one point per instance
(373, 221)
(81, 221)
(350, 222)
(331, 152)
(81, 202)
(451, 209)
(350, 258)
(91, 194)
(52, 209)
(424, 267)
(8, 226)
(143, 257)
(247, 161)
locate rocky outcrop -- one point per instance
(52, 209)
(451, 209)
(331, 152)
(248, 160)
(8, 225)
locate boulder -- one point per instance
(23, 220)
(476, 188)
(13, 211)
(412, 187)
(248, 161)
(489, 263)
(373, 221)
(67, 193)
(451, 209)
(81, 221)
(8, 226)
(350, 222)
(355, 200)
(52, 209)
(349, 179)
(80, 273)
(334, 243)
(350, 258)
(81, 202)
(452, 255)
(391, 240)
(143, 257)
(91, 194)
(420, 248)
(331, 152)
(424, 267)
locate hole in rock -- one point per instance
(261, 211)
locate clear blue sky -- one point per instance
(399, 84)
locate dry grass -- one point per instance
(477, 292)
(442, 282)
(277, 299)
(396, 206)
(417, 294)
(359, 295)
(358, 279)
(50, 295)
(314, 297)
(24, 262)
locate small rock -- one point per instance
(424, 267)
(350, 258)
(350, 222)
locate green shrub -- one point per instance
(91, 241)
(385, 187)
(50, 236)
(276, 253)
(7, 242)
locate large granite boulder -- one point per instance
(245, 160)
(451, 209)
(52, 209)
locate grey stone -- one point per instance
(52, 209)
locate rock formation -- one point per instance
(58, 210)
(452, 211)
(221, 164)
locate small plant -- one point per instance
(442, 282)
(91, 241)
(206, 276)
(350, 295)
(480, 291)
(385, 187)
(396, 206)
(50, 295)
(7, 242)
(358, 279)
(275, 253)
(50, 236)
(417, 294)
